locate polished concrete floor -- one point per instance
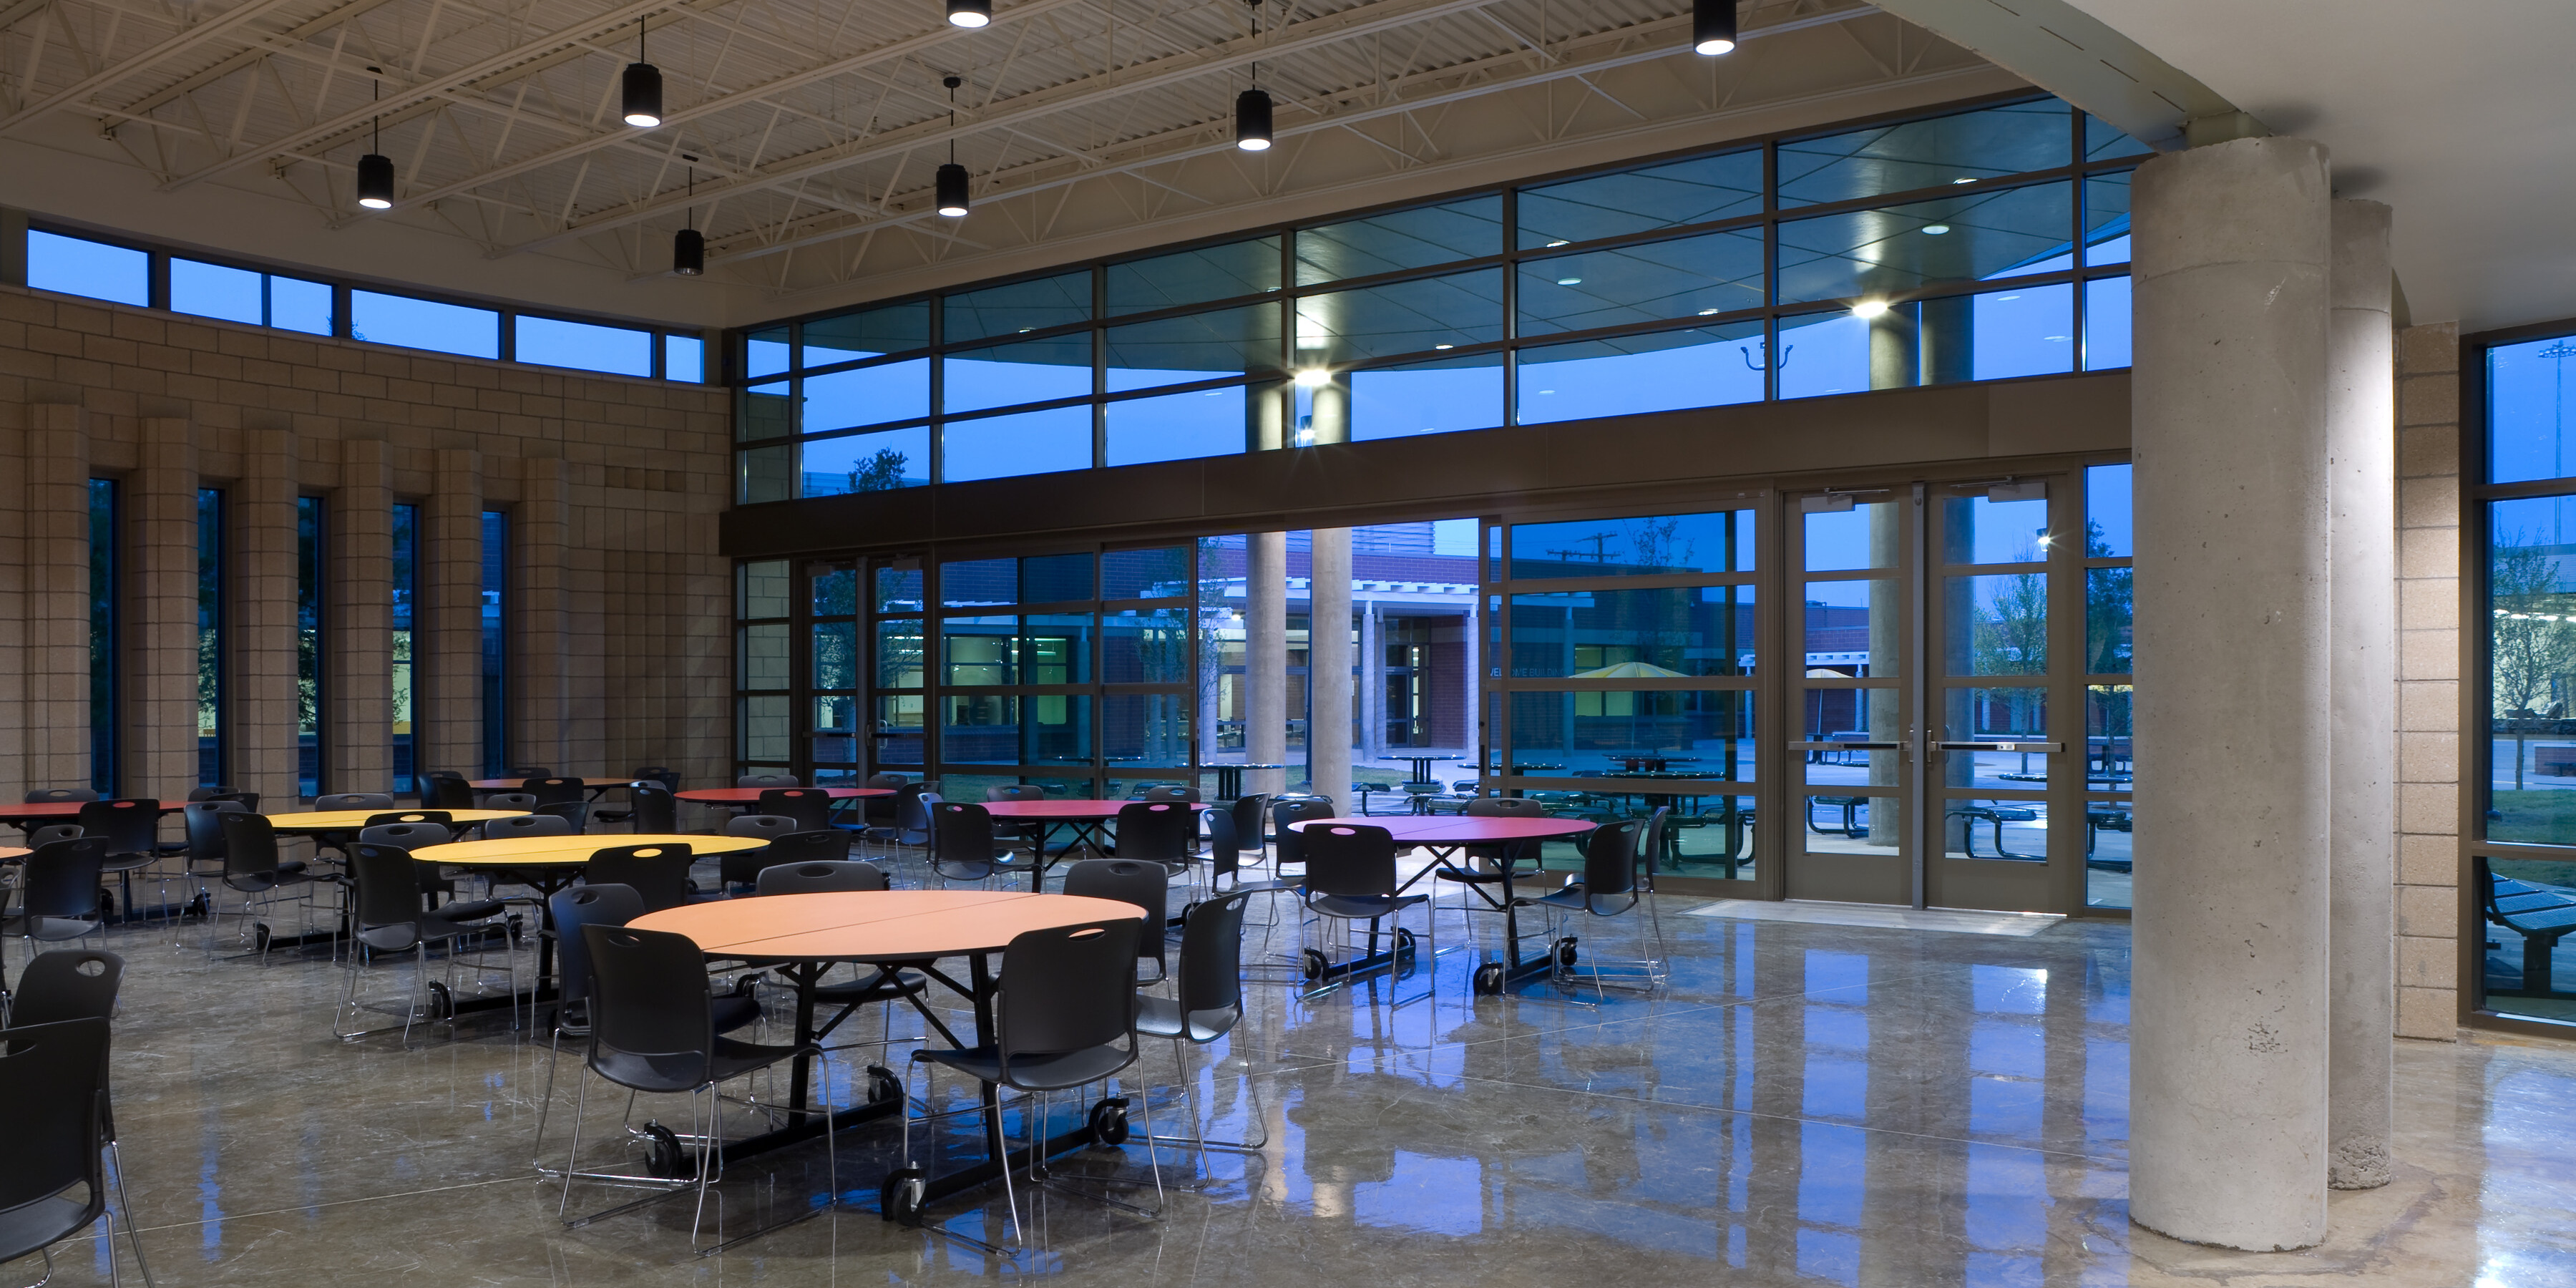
(1801, 1104)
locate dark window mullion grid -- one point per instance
(2079, 209)
(1771, 271)
(1511, 304)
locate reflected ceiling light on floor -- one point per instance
(1314, 377)
(643, 87)
(949, 184)
(1252, 106)
(1713, 27)
(969, 13)
(376, 170)
(1935, 230)
(1870, 309)
(689, 246)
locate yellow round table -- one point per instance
(350, 820)
(568, 851)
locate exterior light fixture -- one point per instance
(970, 13)
(1870, 309)
(643, 95)
(1315, 377)
(950, 183)
(1252, 106)
(1713, 27)
(689, 246)
(375, 169)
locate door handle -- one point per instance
(1847, 746)
(2049, 747)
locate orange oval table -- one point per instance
(1088, 818)
(804, 935)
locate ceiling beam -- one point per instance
(2078, 57)
(186, 38)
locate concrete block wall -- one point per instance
(2430, 755)
(618, 598)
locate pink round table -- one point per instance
(1446, 834)
(1086, 817)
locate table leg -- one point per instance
(804, 975)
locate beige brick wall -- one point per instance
(614, 487)
(2429, 751)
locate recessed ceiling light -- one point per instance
(1869, 309)
(1710, 313)
(1935, 230)
(1971, 180)
(1547, 391)
(1444, 346)
(1569, 281)
(1313, 377)
(1558, 242)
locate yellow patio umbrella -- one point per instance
(1628, 671)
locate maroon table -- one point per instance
(34, 816)
(1086, 817)
(1446, 834)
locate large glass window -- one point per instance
(105, 693)
(213, 762)
(495, 643)
(1194, 276)
(1400, 240)
(406, 642)
(583, 346)
(424, 324)
(1698, 191)
(1625, 375)
(869, 333)
(1029, 442)
(1018, 307)
(1956, 150)
(312, 696)
(1718, 273)
(79, 266)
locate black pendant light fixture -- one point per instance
(643, 87)
(376, 170)
(1713, 27)
(950, 184)
(969, 13)
(1252, 106)
(689, 246)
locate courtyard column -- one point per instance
(2228, 1037)
(1265, 661)
(1328, 668)
(2361, 443)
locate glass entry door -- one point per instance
(1938, 666)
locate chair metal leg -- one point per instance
(116, 1161)
(572, 1161)
(537, 1148)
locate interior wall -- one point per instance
(2430, 750)
(618, 602)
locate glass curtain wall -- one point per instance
(213, 758)
(1629, 649)
(105, 693)
(496, 643)
(406, 643)
(2523, 513)
(311, 700)
(2109, 613)
(1984, 244)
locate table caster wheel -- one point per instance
(662, 1156)
(1403, 944)
(199, 907)
(442, 1004)
(1489, 978)
(903, 1196)
(1565, 954)
(883, 1085)
(1109, 1121)
(259, 936)
(1316, 965)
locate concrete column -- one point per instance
(57, 602)
(2361, 444)
(1328, 666)
(448, 663)
(359, 633)
(1372, 681)
(1265, 660)
(161, 613)
(1472, 674)
(2227, 1098)
(262, 709)
(541, 709)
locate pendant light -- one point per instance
(689, 246)
(1252, 106)
(1713, 27)
(969, 13)
(643, 87)
(950, 184)
(376, 170)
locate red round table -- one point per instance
(37, 815)
(1086, 817)
(804, 935)
(1446, 834)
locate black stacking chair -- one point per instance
(1204, 1008)
(742, 867)
(831, 845)
(909, 819)
(650, 810)
(202, 823)
(385, 916)
(253, 870)
(64, 984)
(414, 830)
(54, 1112)
(600, 905)
(1016, 832)
(810, 806)
(1251, 815)
(60, 795)
(876, 813)
(652, 1029)
(1350, 877)
(509, 800)
(962, 844)
(354, 800)
(658, 872)
(826, 876)
(666, 778)
(1169, 792)
(1067, 1016)
(52, 832)
(1287, 845)
(1610, 886)
(58, 896)
(1225, 859)
(552, 791)
(446, 789)
(575, 814)
(1484, 866)
(526, 772)
(1146, 885)
(519, 825)
(1164, 832)
(132, 831)
(767, 780)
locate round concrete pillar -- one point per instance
(1328, 667)
(2227, 1096)
(2361, 442)
(1265, 661)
